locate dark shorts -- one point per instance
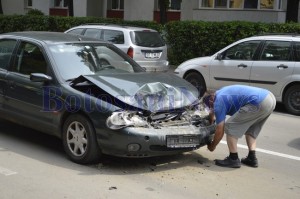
(250, 118)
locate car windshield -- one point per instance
(147, 39)
(77, 59)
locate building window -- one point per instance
(175, 5)
(117, 4)
(241, 4)
(251, 4)
(28, 3)
(220, 3)
(236, 3)
(267, 4)
(61, 3)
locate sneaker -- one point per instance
(252, 162)
(228, 162)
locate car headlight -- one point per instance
(122, 119)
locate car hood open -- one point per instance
(153, 92)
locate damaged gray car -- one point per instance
(96, 98)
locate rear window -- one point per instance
(147, 39)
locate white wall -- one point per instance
(94, 8)
(239, 15)
(80, 8)
(42, 5)
(11, 7)
(187, 9)
(138, 9)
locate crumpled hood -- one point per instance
(149, 91)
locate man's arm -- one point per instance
(219, 133)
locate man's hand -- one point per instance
(217, 137)
(211, 147)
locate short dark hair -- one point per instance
(206, 97)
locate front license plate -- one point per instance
(152, 55)
(182, 141)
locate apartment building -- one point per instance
(205, 10)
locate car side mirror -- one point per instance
(219, 56)
(40, 77)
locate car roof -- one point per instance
(50, 37)
(114, 27)
(276, 36)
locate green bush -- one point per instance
(190, 39)
(35, 12)
(185, 39)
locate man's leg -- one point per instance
(251, 142)
(231, 143)
(251, 159)
(232, 160)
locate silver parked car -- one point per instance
(144, 45)
(268, 61)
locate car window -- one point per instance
(114, 36)
(93, 33)
(77, 31)
(276, 50)
(73, 60)
(6, 49)
(241, 51)
(297, 51)
(30, 59)
(146, 39)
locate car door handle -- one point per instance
(242, 66)
(282, 66)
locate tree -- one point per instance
(292, 11)
(163, 7)
(69, 4)
(1, 10)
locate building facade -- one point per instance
(204, 10)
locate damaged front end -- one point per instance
(162, 117)
(185, 130)
(122, 119)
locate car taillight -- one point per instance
(130, 52)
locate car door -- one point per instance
(24, 98)
(6, 50)
(233, 66)
(274, 67)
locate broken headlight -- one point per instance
(122, 119)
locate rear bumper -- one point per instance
(154, 66)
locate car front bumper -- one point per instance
(147, 142)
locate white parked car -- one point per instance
(268, 61)
(144, 45)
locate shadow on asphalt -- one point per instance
(49, 149)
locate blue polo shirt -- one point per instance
(230, 99)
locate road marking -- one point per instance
(268, 152)
(6, 172)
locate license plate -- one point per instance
(182, 141)
(152, 55)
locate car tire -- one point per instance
(197, 80)
(292, 100)
(79, 140)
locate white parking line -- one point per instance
(268, 152)
(6, 172)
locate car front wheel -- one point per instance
(197, 80)
(292, 100)
(79, 140)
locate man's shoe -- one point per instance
(252, 162)
(228, 162)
